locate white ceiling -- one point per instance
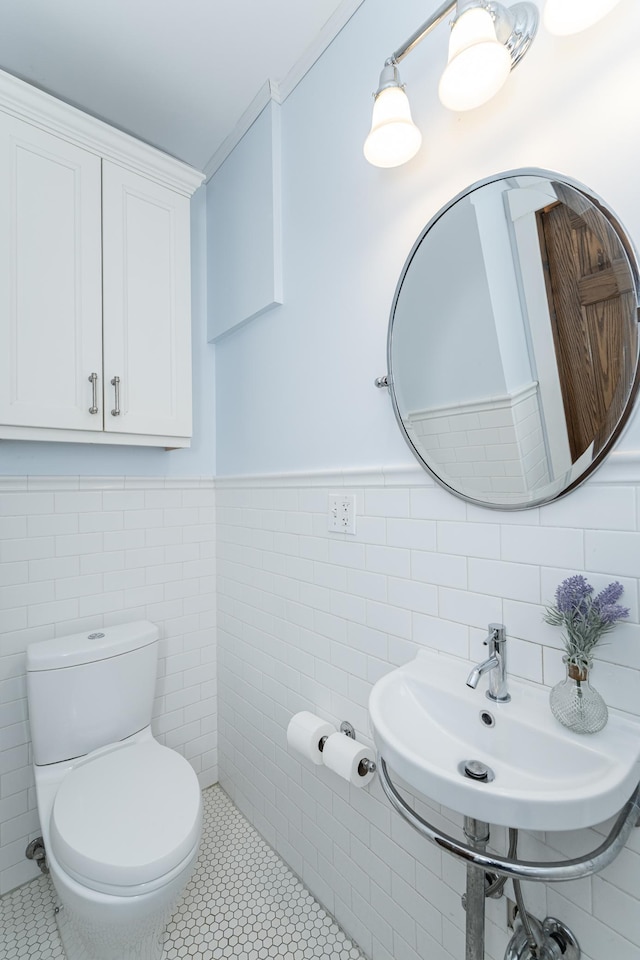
(176, 73)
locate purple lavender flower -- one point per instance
(610, 594)
(585, 618)
(605, 604)
(613, 612)
(572, 594)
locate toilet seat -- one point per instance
(126, 816)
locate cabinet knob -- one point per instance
(115, 383)
(93, 380)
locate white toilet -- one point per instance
(120, 813)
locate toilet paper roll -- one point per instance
(344, 756)
(305, 732)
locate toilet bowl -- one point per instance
(120, 820)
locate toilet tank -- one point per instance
(90, 689)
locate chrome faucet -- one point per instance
(495, 665)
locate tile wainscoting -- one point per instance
(309, 619)
(78, 553)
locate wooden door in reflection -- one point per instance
(592, 306)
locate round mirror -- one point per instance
(513, 339)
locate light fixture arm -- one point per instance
(516, 28)
(418, 35)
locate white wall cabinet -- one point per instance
(95, 314)
(146, 305)
(50, 279)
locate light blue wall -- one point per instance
(295, 385)
(244, 209)
(70, 459)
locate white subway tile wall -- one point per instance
(79, 553)
(308, 620)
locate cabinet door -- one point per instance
(50, 280)
(147, 305)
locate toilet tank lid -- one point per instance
(98, 644)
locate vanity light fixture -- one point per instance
(487, 40)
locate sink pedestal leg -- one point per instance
(477, 833)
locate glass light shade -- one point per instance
(563, 17)
(394, 138)
(478, 63)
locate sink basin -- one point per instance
(427, 724)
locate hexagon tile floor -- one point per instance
(242, 901)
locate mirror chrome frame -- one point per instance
(634, 266)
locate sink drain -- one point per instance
(476, 770)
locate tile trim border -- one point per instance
(623, 467)
(32, 484)
(620, 467)
(349, 477)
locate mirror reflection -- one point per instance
(513, 340)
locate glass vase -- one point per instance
(576, 704)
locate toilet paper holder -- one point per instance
(365, 766)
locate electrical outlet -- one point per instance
(342, 514)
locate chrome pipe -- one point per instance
(436, 17)
(477, 833)
(474, 907)
(551, 871)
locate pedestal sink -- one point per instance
(428, 724)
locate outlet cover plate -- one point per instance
(342, 513)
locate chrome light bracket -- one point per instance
(389, 77)
(516, 27)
